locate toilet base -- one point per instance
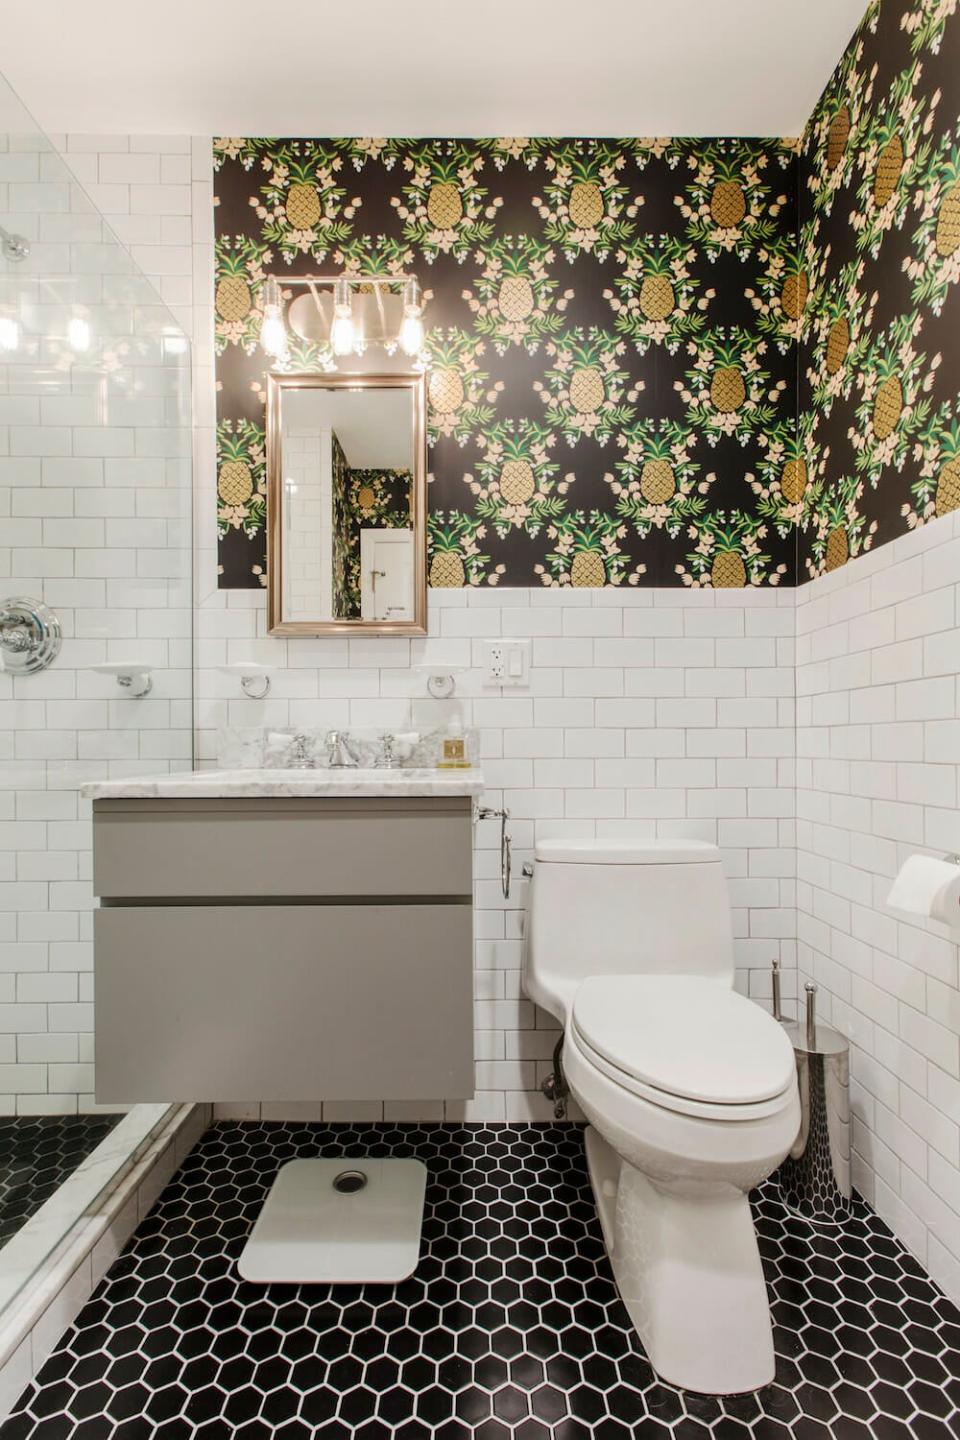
(688, 1271)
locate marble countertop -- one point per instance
(216, 784)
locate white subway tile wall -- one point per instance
(95, 509)
(878, 762)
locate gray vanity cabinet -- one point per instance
(283, 949)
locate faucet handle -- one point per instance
(388, 755)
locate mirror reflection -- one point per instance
(346, 497)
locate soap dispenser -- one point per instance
(453, 749)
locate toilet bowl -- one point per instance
(690, 1090)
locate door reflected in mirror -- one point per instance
(346, 503)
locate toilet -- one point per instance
(690, 1091)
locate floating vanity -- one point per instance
(284, 935)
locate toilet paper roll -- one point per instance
(926, 886)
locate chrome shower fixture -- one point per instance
(13, 247)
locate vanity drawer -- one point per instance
(284, 1002)
(213, 849)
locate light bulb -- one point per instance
(411, 327)
(9, 333)
(79, 334)
(411, 332)
(342, 334)
(273, 332)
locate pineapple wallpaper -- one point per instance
(652, 362)
(879, 256)
(612, 335)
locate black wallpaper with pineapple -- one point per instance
(879, 242)
(616, 329)
(611, 328)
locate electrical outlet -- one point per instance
(506, 662)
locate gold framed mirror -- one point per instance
(347, 504)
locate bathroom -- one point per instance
(515, 991)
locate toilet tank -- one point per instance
(640, 907)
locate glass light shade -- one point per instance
(273, 332)
(342, 332)
(411, 331)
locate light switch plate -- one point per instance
(506, 662)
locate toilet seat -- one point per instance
(685, 1043)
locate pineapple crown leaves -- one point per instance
(382, 255)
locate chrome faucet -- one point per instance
(388, 758)
(299, 753)
(338, 747)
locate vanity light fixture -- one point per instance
(341, 320)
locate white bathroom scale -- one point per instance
(351, 1221)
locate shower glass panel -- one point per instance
(95, 572)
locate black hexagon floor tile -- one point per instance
(37, 1153)
(511, 1326)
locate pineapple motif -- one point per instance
(727, 390)
(460, 401)
(587, 391)
(585, 387)
(584, 207)
(516, 477)
(887, 173)
(234, 482)
(657, 296)
(444, 205)
(366, 498)
(887, 407)
(586, 204)
(444, 208)
(446, 569)
(947, 496)
(948, 222)
(588, 570)
(658, 483)
(240, 478)
(837, 137)
(233, 297)
(838, 343)
(728, 572)
(793, 296)
(728, 204)
(793, 479)
(515, 297)
(517, 482)
(446, 390)
(587, 554)
(302, 206)
(838, 548)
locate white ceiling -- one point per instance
(374, 427)
(425, 67)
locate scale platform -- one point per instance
(348, 1221)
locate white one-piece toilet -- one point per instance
(689, 1088)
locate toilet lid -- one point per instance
(685, 1035)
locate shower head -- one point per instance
(13, 247)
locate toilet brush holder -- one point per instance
(814, 1179)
